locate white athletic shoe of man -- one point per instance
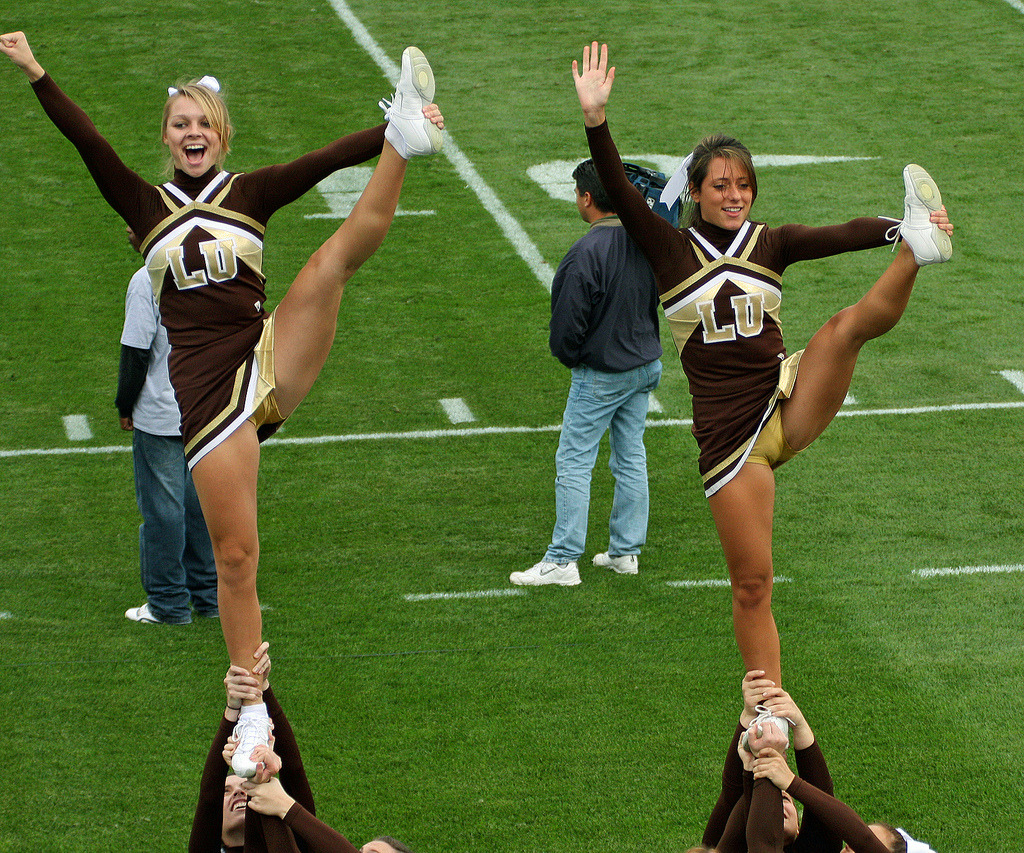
(543, 573)
(930, 244)
(251, 730)
(627, 564)
(408, 130)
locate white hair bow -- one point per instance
(914, 846)
(679, 184)
(208, 82)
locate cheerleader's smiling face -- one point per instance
(194, 144)
(725, 195)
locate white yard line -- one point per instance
(509, 225)
(468, 432)
(968, 570)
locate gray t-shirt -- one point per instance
(156, 410)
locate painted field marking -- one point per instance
(447, 596)
(968, 570)
(715, 582)
(76, 427)
(341, 191)
(653, 405)
(1014, 377)
(1017, 4)
(509, 225)
(457, 410)
(497, 430)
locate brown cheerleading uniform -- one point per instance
(721, 292)
(202, 239)
(300, 830)
(737, 810)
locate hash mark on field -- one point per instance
(967, 570)
(76, 427)
(457, 410)
(653, 405)
(1015, 378)
(341, 191)
(445, 596)
(716, 582)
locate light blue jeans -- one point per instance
(175, 555)
(600, 402)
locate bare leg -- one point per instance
(225, 481)
(826, 367)
(743, 510)
(307, 317)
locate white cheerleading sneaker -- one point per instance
(765, 716)
(930, 244)
(543, 573)
(627, 564)
(408, 130)
(251, 730)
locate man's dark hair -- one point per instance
(587, 181)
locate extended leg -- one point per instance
(826, 367)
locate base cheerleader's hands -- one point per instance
(241, 686)
(268, 798)
(770, 764)
(261, 669)
(753, 689)
(781, 704)
(16, 46)
(593, 83)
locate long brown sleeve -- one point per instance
(207, 825)
(319, 837)
(838, 817)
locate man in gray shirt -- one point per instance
(604, 327)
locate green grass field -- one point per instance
(585, 719)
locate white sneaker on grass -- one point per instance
(142, 614)
(251, 730)
(627, 564)
(543, 573)
(408, 130)
(930, 244)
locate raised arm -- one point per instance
(208, 820)
(16, 46)
(122, 188)
(657, 239)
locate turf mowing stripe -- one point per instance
(509, 225)
(476, 431)
(968, 570)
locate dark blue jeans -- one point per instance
(175, 554)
